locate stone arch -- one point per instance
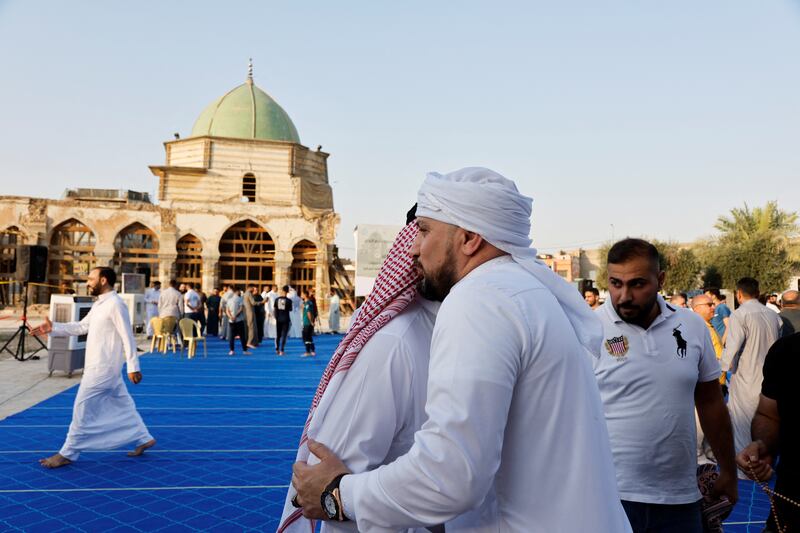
(189, 262)
(136, 251)
(304, 265)
(71, 254)
(246, 255)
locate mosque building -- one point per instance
(240, 201)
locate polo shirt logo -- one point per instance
(617, 346)
(680, 341)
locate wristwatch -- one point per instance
(331, 501)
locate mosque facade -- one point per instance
(239, 201)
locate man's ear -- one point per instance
(472, 243)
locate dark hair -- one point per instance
(189, 285)
(108, 273)
(748, 286)
(285, 288)
(714, 292)
(157, 283)
(593, 290)
(627, 249)
(411, 215)
(684, 296)
(173, 283)
(722, 297)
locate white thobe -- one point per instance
(296, 329)
(752, 329)
(380, 403)
(333, 317)
(515, 431)
(151, 296)
(270, 327)
(104, 416)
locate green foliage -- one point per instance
(756, 243)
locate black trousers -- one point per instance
(282, 331)
(234, 329)
(259, 323)
(212, 328)
(308, 338)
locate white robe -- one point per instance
(516, 433)
(296, 329)
(752, 329)
(380, 403)
(104, 416)
(151, 296)
(270, 328)
(333, 317)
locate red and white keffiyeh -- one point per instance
(394, 290)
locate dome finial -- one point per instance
(250, 71)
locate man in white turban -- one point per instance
(515, 431)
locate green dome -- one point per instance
(246, 112)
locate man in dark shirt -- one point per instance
(776, 432)
(308, 325)
(283, 313)
(259, 312)
(213, 302)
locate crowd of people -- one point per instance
(476, 390)
(246, 314)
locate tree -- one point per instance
(756, 243)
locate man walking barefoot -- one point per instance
(104, 416)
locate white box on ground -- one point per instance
(135, 303)
(66, 354)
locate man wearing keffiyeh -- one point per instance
(371, 398)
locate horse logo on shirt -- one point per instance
(617, 347)
(681, 342)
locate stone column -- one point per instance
(104, 254)
(210, 273)
(283, 268)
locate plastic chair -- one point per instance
(190, 331)
(168, 324)
(155, 325)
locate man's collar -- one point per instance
(106, 295)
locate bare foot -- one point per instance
(139, 450)
(230, 353)
(248, 353)
(54, 461)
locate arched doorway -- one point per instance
(189, 264)
(304, 265)
(8, 265)
(246, 255)
(136, 251)
(70, 256)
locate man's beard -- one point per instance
(95, 291)
(640, 313)
(436, 286)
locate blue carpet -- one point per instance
(227, 430)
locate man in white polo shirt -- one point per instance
(657, 364)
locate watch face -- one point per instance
(330, 505)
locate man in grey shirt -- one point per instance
(790, 315)
(250, 316)
(234, 309)
(751, 331)
(169, 301)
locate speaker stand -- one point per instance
(22, 332)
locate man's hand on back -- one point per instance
(135, 377)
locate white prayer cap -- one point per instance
(482, 201)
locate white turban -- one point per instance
(484, 202)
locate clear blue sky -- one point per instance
(653, 116)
